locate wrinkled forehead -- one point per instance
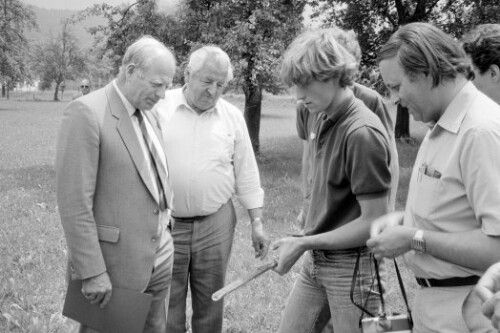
(214, 68)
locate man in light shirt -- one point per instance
(211, 158)
(114, 205)
(449, 231)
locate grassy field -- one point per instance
(32, 245)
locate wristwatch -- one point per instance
(418, 242)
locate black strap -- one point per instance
(381, 292)
(353, 285)
(403, 291)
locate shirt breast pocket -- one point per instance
(427, 196)
(222, 146)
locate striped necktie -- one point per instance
(158, 168)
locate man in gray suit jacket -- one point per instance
(112, 184)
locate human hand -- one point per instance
(260, 240)
(488, 289)
(391, 242)
(97, 289)
(388, 220)
(290, 250)
(491, 309)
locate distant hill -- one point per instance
(49, 21)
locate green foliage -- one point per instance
(15, 18)
(375, 20)
(58, 59)
(253, 33)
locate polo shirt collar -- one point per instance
(455, 112)
(182, 101)
(341, 109)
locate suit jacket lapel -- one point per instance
(126, 130)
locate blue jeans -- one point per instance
(202, 250)
(325, 281)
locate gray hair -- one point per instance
(140, 53)
(198, 58)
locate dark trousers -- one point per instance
(202, 250)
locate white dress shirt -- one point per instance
(210, 156)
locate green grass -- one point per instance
(33, 248)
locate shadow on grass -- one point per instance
(33, 177)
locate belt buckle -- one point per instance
(170, 223)
(424, 282)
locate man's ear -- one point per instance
(129, 70)
(187, 75)
(494, 72)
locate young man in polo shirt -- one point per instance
(351, 182)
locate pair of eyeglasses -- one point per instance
(84, 86)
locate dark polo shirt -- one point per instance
(371, 98)
(351, 158)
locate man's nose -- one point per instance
(160, 92)
(212, 89)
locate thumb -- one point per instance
(483, 293)
(275, 245)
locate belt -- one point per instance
(190, 218)
(451, 282)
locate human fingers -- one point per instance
(97, 298)
(483, 293)
(106, 299)
(263, 249)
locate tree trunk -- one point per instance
(253, 106)
(3, 90)
(7, 86)
(56, 91)
(402, 129)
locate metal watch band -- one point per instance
(418, 242)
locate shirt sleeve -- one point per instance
(248, 189)
(368, 160)
(481, 176)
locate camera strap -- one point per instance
(401, 286)
(381, 292)
(403, 291)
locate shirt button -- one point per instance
(153, 239)
(156, 211)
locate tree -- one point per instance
(15, 18)
(58, 59)
(375, 20)
(253, 33)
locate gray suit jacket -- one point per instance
(107, 205)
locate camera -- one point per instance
(394, 323)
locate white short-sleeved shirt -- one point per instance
(455, 183)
